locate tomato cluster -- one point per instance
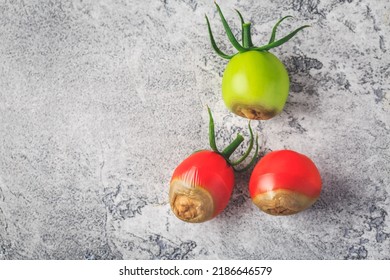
(255, 85)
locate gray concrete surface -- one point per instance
(100, 100)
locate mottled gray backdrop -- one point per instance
(100, 100)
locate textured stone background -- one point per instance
(100, 100)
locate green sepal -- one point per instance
(248, 151)
(253, 160)
(241, 17)
(213, 145)
(229, 32)
(273, 35)
(247, 44)
(229, 150)
(214, 45)
(280, 41)
(242, 26)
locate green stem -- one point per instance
(246, 35)
(229, 150)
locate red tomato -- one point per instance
(201, 187)
(284, 182)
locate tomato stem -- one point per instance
(246, 35)
(229, 150)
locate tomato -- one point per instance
(284, 182)
(201, 186)
(255, 85)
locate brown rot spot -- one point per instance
(283, 202)
(190, 204)
(254, 112)
(187, 208)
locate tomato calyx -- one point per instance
(231, 148)
(247, 44)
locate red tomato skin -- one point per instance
(285, 169)
(210, 171)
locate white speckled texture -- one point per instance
(100, 100)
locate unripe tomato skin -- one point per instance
(285, 182)
(255, 85)
(201, 187)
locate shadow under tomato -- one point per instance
(304, 96)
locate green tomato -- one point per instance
(255, 85)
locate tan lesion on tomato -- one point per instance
(283, 202)
(254, 112)
(190, 203)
